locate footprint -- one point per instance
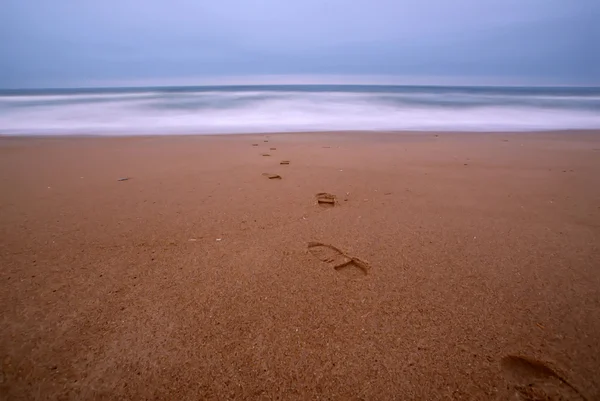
(272, 176)
(273, 148)
(284, 162)
(255, 144)
(532, 380)
(265, 154)
(338, 259)
(325, 199)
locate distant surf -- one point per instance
(245, 109)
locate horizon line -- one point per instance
(181, 86)
(306, 80)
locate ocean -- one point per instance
(280, 108)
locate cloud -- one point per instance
(69, 42)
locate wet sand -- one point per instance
(448, 266)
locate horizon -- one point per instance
(292, 84)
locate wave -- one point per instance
(262, 109)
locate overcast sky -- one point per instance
(55, 43)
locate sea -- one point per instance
(284, 108)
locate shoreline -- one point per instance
(591, 131)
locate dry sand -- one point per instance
(198, 278)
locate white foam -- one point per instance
(258, 111)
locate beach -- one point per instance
(443, 266)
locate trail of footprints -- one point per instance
(529, 379)
(272, 176)
(329, 254)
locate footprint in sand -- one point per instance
(273, 148)
(325, 199)
(272, 176)
(338, 259)
(285, 162)
(532, 380)
(255, 144)
(265, 154)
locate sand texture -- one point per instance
(444, 266)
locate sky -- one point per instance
(66, 43)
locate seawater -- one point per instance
(244, 109)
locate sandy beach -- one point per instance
(444, 266)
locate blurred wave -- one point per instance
(239, 109)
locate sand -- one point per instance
(199, 278)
